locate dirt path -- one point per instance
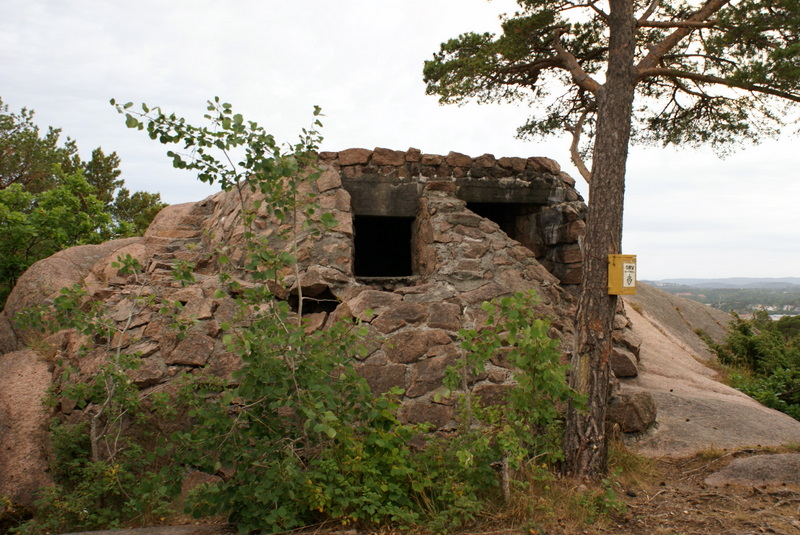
(682, 502)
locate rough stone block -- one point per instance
(456, 159)
(567, 179)
(568, 273)
(352, 172)
(314, 322)
(467, 219)
(572, 232)
(198, 309)
(569, 254)
(492, 394)
(223, 364)
(541, 164)
(383, 378)
(486, 292)
(329, 180)
(431, 160)
(485, 160)
(374, 300)
(410, 346)
(151, 372)
(427, 375)
(338, 200)
(629, 340)
(445, 316)
(381, 156)
(634, 412)
(194, 350)
(623, 363)
(474, 249)
(413, 155)
(460, 172)
(500, 357)
(516, 164)
(354, 156)
(443, 171)
(426, 412)
(398, 316)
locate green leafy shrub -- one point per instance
(300, 437)
(496, 442)
(789, 327)
(105, 474)
(525, 423)
(93, 494)
(763, 357)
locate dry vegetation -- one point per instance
(670, 497)
(660, 497)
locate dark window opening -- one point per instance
(323, 301)
(513, 218)
(382, 246)
(505, 215)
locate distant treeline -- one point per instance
(784, 301)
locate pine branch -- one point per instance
(658, 51)
(575, 154)
(649, 11)
(570, 63)
(709, 79)
(676, 24)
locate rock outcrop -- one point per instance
(695, 410)
(24, 422)
(759, 471)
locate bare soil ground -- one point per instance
(680, 502)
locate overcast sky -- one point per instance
(687, 213)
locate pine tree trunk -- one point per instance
(585, 445)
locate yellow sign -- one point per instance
(621, 274)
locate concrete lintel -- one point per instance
(383, 197)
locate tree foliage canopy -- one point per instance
(27, 157)
(707, 72)
(34, 226)
(51, 199)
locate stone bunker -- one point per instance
(531, 200)
(420, 242)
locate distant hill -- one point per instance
(778, 296)
(733, 282)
